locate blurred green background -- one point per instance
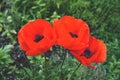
(103, 18)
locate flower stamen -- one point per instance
(38, 38)
(73, 35)
(87, 53)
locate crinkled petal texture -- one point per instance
(96, 52)
(36, 37)
(71, 33)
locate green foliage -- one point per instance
(4, 57)
(102, 17)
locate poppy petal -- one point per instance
(71, 33)
(97, 52)
(36, 37)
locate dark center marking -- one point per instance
(73, 35)
(87, 53)
(38, 38)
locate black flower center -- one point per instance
(87, 53)
(38, 38)
(73, 35)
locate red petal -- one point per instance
(68, 24)
(28, 33)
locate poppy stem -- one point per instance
(26, 71)
(45, 68)
(61, 68)
(63, 60)
(74, 71)
(28, 62)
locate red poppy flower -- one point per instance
(72, 34)
(96, 52)
(36, 37)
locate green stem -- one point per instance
(45, 67)
(64, 57)
(28, 62)
(26, 72)
(63, 61)
(74, 71)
